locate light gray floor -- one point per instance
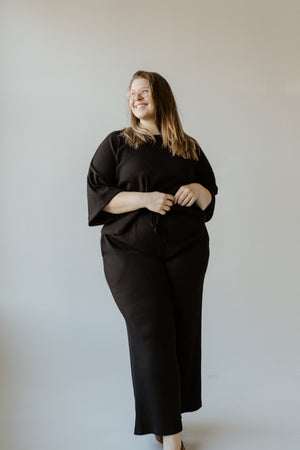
(70, 388)
(260, 414)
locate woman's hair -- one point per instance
(166, 119)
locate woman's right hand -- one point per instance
(159, 201)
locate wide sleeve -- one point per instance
(101, 182)
(206, 177)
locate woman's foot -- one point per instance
(159, 438)
(173, 442)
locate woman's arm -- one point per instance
(204, 197)
(206, 182)
(126, 201)
(202, 192)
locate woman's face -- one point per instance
(140, 100)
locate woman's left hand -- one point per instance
(187, 194)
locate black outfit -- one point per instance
(155, 266)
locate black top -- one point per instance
(117, 167)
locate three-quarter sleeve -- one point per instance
(206, 177)
(101, 182)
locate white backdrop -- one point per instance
(234, 68)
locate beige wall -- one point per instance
(235, 72)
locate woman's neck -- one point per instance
(150, 126)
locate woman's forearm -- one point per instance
(126, 201)
(204, 197)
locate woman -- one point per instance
(153, 188)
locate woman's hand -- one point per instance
(193, 192)
(158, 201)
(187, 194)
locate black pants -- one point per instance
(155, 272)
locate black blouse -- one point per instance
(117, 167)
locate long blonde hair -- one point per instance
(166, 119)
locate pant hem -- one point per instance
(159, 433)
(191, 409)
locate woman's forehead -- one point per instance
(139, 83)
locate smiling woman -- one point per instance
(153, 188)
(142, 104)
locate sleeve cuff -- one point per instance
(209, 210)
(96, 214)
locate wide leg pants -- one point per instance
(155, 272)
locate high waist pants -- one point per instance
(155, 272)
